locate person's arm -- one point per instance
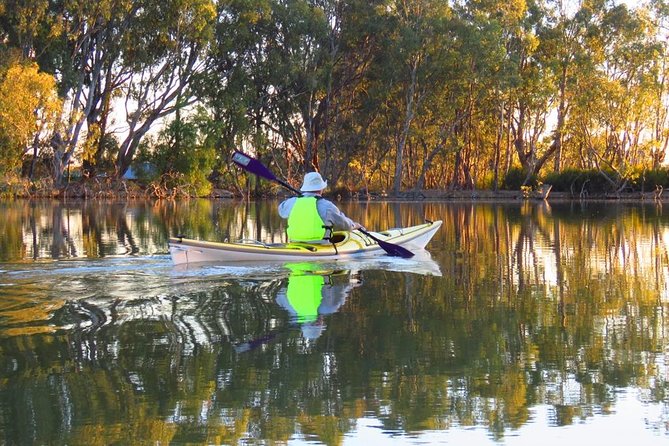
(332, 216)
(286, 206)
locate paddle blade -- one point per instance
(395, 250)
(252, 165)
(390, 248)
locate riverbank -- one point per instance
(106, 188)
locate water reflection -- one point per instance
(523, 318)
(312, 293)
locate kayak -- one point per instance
(346, 245)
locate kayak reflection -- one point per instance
(312, 293)
(314, 290)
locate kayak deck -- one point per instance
(347, 244)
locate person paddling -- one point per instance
(310, 215)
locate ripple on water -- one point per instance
(83, 296)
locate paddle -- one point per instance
(390, 248)
(254, 166)
(254, 343)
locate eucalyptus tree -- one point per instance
(301, 43)
(30, 109)
(239, 87)
(659, 143)
(412, 64)
(630, 51)
(143, 50)
(166, 56)
(29, 105)
(463, 65)
(282, 78)
(618, 86)
(83, 50)
(270, 84)
(402, 65)
(485, 73)
(234, 87)
(24, 24)
(345, 113)
(319, 54)
(562, 38)
(530, 91)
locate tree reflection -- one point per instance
(563, 305)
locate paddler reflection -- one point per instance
(312, 293)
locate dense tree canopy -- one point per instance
(384, 94)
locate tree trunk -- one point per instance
(562, 110)
(498, 149)
(404, 134)
(31, 172)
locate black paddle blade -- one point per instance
(395, 250)
(390, 248)
(252, 165)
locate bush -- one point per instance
(593, 181)
(643, 180)
(184, 167)
(515, 178)
(12, 186)
(570, 180)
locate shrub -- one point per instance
(576, 181)
(566, 180)
(185, 166)
(515, 178)
(648, 179)
(11, 186)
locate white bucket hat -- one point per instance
(313, 181)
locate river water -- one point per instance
(522, 323)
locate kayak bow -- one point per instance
(349, 245)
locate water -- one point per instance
(524, 323)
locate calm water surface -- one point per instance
(525, 323)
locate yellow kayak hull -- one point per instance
(353, 244)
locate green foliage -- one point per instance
(591, 181)
(569, 180)
(644, 180)
(28, 106)
(177, 159)
(417, 94)
(515, 178)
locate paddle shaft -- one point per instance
(368, 234)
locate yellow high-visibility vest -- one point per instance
(304, 223)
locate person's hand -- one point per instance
(358, 226)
